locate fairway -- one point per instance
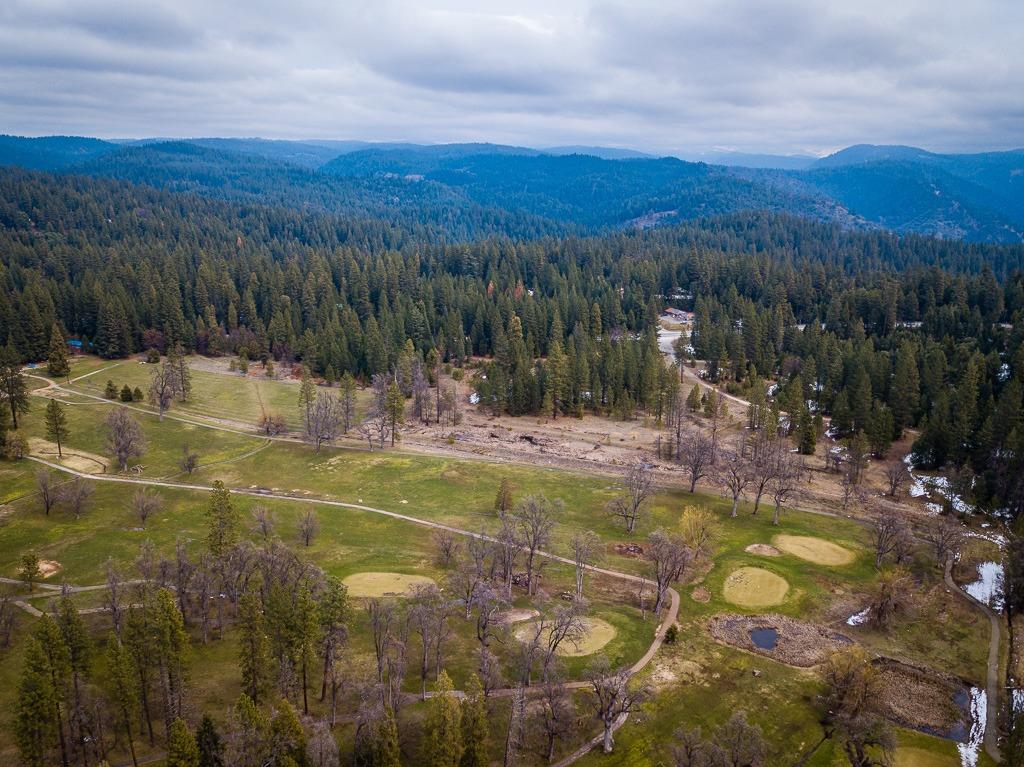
(383, 584)
(598, 634)
(816, 550)
(754, 587)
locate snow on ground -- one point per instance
(1017, 699)
(925, 485)
(979, 710)
(858, 618)
(988, 589)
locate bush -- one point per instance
(457, 374)
(671, 634)
(152, 356)
(126, 393)
(110, 391)
(137, 395)
(15, 446)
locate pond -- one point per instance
(765, 638)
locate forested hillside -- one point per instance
(879, 333)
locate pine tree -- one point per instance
(384, 748)
(443, 738)
(221, 520)
(307, 395)
(906, 388)
(56, 425)
(879, 431)
(211, 750)
(121, 680)
(182, 749)
(288, 739)
(395, 408)
(58, 666)
(57, 365)
(475, 726)
(807, 433)
(503, 501)
(35, 728)
(126, 394)
(693, 399)
(110, 390)
(253, 653)
(12, 383)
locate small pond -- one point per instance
(765, 638)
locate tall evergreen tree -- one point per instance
(12, 383)
(56, 425)
(182, 750)
(57, 365)
(443, 736)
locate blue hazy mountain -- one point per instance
(526, 191)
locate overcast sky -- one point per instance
(678, 76)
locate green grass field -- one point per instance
(699, 681)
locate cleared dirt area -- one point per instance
(796, 643)
(816, 550)
(87, 463)
(599, 633)
(755, 587)
(925, 699)
(369, 585)
(516, 615)
(48, 567)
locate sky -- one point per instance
(672, 77)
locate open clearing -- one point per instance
(383, 584)
(754, 587)
(599, 633)
(816, 550)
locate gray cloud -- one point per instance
(693, 75)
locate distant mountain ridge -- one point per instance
(525, 191)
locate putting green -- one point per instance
(382, 584)
(918, 757)
(754, 587)
(599, 633)
(816, 550)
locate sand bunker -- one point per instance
(87, 463)
(599, 633)
(754, 587)
(383, 584)
(48, 567)
(816, 550)
(795, 642)
(763, 550)
(516, 615)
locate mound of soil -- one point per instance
(701, 594)
(763, 550)
(925, 699)
(798, 643)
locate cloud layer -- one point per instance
(674, 76)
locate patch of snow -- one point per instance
(1017, 699)
(858, 618)
(772, 389)
(474, 398)
(1004, 372)
(979, 712)
(988, 589)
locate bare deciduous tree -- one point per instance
(48, 489)
(734, 472)
(786, 478)
(146, 503)
(124, 437)
(697, 456)
(164, 386)
(487, 602)
(75, 495)
(271, 424)
(670, 556)
(638, 485)
(324, 420)
(263, 521)
(613, 697)
(762, 448)
(447, 546)
(890, 597)
(189, 460)
(586, 547)
(557, 712)
(891, 536)
(946, 538)
(567, 625)
(535, 519)
(896, 477)
(309, 526)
